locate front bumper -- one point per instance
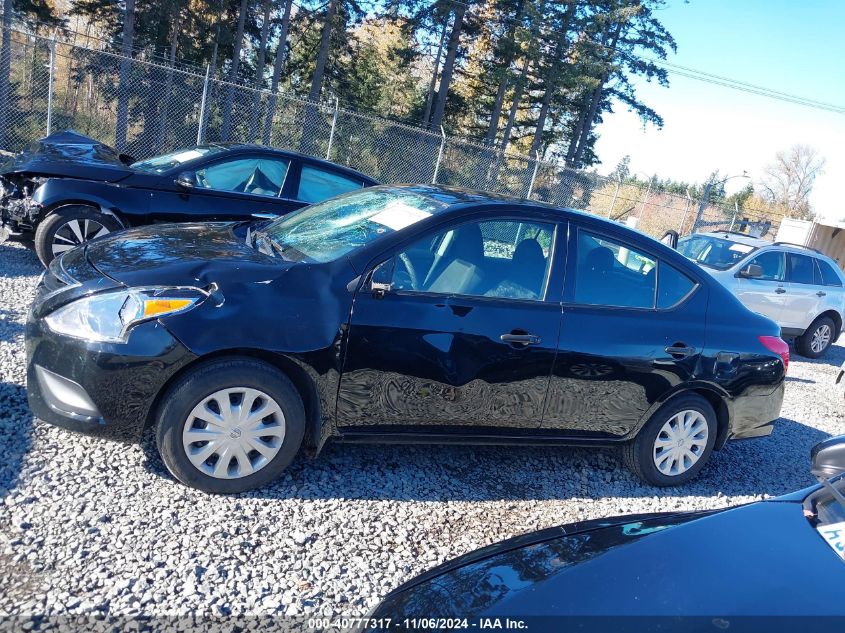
(103, 389)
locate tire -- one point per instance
(70, 226)
(198, 391)
(820, 335)
(641, 453)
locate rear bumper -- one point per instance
(754, 415)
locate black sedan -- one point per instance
(737, 569)
(399, 314)
(69, 188)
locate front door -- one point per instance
(632, 329)
(460, 330)
(767, 293)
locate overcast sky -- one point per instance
(788, 45)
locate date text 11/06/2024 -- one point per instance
(430, 624)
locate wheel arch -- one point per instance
(81, 202)
(715, 397)
(302, 382)
(834, 316)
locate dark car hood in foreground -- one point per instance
(759, 559)
(69, 155)
(181, 254)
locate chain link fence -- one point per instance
(144, 107)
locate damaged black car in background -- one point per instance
(68, 188)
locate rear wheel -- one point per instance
(818, 338)
(68, 227)
(230, 425)
(675, 443)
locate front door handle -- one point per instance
(821, 294)
(515, 338)
(780, 291)
(680, 351)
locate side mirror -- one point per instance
(381, 281)
(186, 179)
(752, 271)
(670, 238)
(828, 458)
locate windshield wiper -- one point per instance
(274, 244)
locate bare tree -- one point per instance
(5, 68)
(789, 180)
(277, 71)
(226, 127)
(125, 69)
(448, 65)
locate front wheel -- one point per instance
(675, 443)
(68, 227)
(818, 338)
(230, 425)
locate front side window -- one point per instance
(256, 176)
(316, 185)
(800, 269)
(507, 259)
(772, 265)
(609, 273)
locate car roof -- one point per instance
(739, 238)
(455, 198)
(759, 243)
(235, 146)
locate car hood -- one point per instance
(754, 559)
(182, 254)
(67, 155)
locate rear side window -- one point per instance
(773, 265)
(316, 185)
(800, 269)
(827, 275)
(609, 273)
(672, 285)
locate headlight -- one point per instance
(108, 317)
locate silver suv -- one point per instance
(798, 287)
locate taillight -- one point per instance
(777, 345)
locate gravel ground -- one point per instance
(92, 526)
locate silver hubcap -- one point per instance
(76, 232)
(234, 432)
(821, 338)
(680, 443)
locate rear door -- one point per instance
(802, 301)
(767, 293)
(632, 329)
(317, 183)
(462, 332)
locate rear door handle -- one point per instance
(680, 351)
(780, 291)
(520, 339)
(821, 294)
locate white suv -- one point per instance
(798, 287)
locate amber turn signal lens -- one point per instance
(152, 307)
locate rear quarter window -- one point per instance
(828, 276)
(672, 286)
